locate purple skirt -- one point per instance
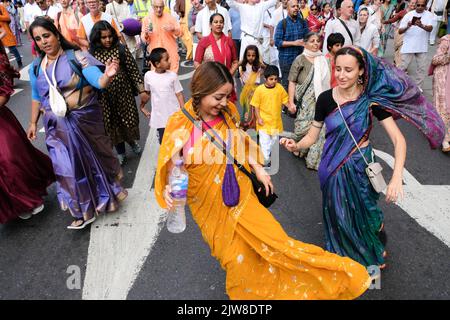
(87, 172)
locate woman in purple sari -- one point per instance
(87, 172)
(367, 87)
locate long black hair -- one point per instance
(48, 25)
(96, 34)
(257, 63)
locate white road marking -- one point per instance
(16, 91)
(183, 64)
(121, 242)
(24, 76)
(186, 76)
(429, 205)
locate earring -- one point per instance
(360, 80)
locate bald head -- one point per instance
(347, 9)
(158, 7)
(292, 8)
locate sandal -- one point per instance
(77, 226)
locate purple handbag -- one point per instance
(230, 187)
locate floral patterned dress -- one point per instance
(441, 83)
(306, 102)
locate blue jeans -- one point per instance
(16, 54)
(285, 68)
(448, 24)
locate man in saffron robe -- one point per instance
(160, 29)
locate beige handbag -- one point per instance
(374, 169)
(56, 100)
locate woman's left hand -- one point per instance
(394, 190)
(112, 67)
(264, 178)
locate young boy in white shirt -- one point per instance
(165, 91)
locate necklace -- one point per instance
(56, 56)
(351, 97)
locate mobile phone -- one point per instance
(414, 19)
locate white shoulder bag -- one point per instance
(374, 169)
(56, 100)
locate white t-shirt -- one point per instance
(278, 15)
(415, 39)
(252, 17)
(28, 11)
(268, 15)
(121, 10)
(335, 26)
(163, 88)
(370, 37)
(52, 12)
(202, 22)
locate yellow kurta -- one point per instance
(260, 259)
(269, 103)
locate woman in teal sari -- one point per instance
(367, 87)
(387, 8)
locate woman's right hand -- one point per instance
(289, 144)
(167, 197)
(31, 132)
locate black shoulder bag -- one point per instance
(347, 29)
(258, 187)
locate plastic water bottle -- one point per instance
(178, 180)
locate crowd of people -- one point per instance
(322, 63)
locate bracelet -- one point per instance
(316, 126)
(30, 123)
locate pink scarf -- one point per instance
(224, 55)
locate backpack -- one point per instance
(284, 22)
(74, 65)
(73, 62)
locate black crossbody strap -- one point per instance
(346, 28)
(218, 145)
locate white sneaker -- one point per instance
(37, 210)
(25, 216)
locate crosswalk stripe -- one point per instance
(120, 242)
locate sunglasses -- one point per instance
(420, 5)
(313, 9)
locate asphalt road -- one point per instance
(35, 254)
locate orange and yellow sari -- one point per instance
(260, 259)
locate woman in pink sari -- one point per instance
(315, 21)
(441, 85)
(218, 47)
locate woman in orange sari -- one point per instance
(260, 259)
